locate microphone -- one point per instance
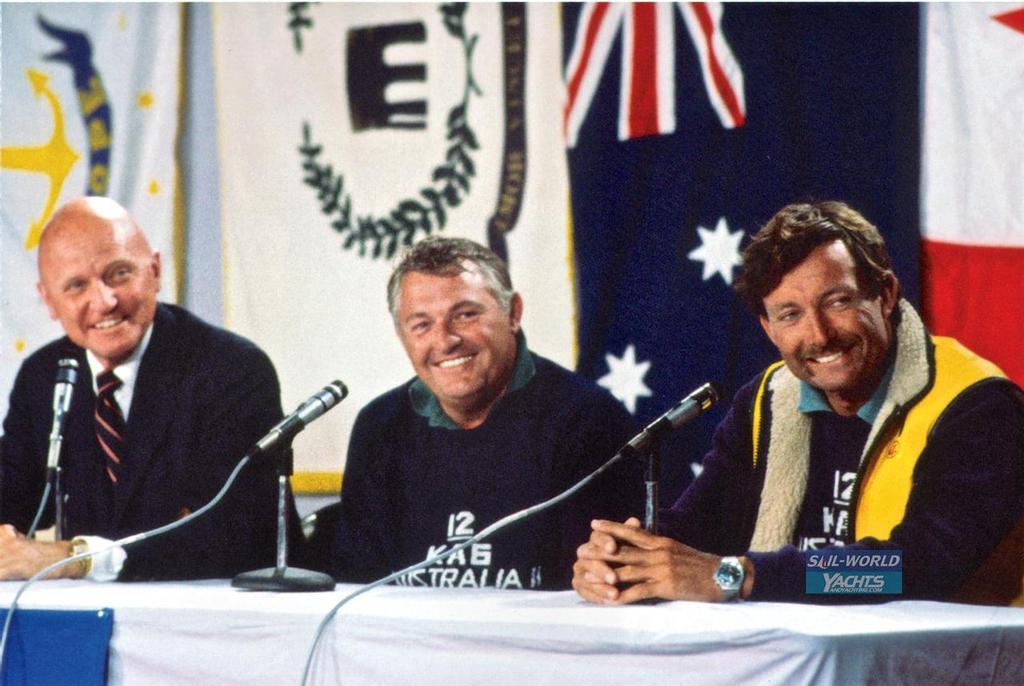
(686, 410)
(282, 577)
(321, 401)
(67, 375)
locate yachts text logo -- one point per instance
(861, 572)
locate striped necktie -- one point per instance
(110, 424)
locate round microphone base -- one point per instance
(284, 580)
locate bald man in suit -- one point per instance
(193, 399)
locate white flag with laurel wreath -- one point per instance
(349, 131)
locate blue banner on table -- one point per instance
(57, 647)
(688, 126)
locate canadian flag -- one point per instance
(973, 179)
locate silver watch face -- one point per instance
(729, 576)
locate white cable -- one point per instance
(39, 511)
(500, 524)
(123, 543)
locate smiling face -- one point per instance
(99, 278)
(460, 341)
(829, 333)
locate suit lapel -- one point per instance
(153, 403)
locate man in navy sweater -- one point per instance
(485, 428)
(871, 435)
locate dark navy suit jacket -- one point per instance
(202, 397)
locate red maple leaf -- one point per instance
(1014, 19)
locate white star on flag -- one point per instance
(719, 251)
(625, 378)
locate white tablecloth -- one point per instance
(209, 633)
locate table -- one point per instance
(207, 632)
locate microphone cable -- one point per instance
(493, 528)
(689, 408)
(294, 423)
(123, 543)
(40, 510)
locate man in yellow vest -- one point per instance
(875, 459)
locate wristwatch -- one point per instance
(729, 577)
(79, 546)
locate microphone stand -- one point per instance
(652, 475)
(67, 376)
(650, 451)
(282, 577)
(59, 524)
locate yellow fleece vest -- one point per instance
(888, 479)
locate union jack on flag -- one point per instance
(647, 96)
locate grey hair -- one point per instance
(449, 256)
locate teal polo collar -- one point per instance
(426, 404)
(813, 400)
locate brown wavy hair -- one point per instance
(798, 229)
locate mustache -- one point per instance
(836, 344)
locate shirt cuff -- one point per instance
(107, 559)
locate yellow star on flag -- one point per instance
(145, 100)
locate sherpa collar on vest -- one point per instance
(789, 437)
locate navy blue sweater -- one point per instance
(411, 489)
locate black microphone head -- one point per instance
(338, 389)
(313, 408)
(710, 392)
(691, 406)
(67, 370)
(687, 409)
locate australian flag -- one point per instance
(689, 125)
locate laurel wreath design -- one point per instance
(424, 213)
(298, 22)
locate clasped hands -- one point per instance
(622, 563)
(21, 557)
